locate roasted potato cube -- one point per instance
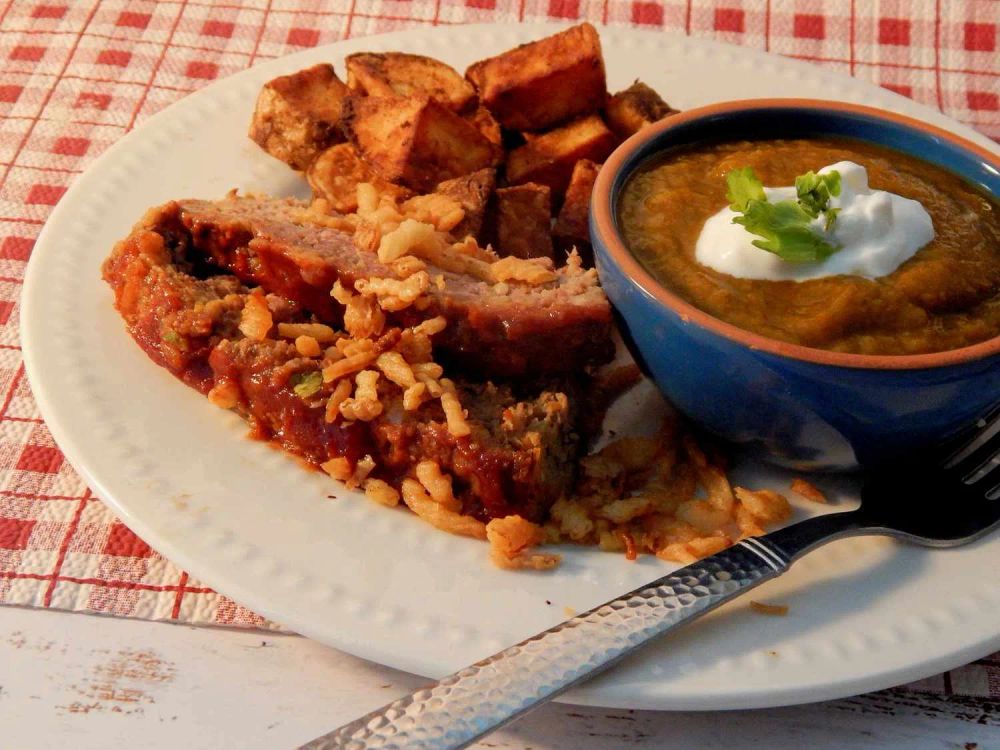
(572, 227)
(630, 110)
(473, 192)
(537, 85)
(549, 158)
(490, 129)
(415, 141)
(400, 74)
(297, 116)
(523, 221)
(335, 174)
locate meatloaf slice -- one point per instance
(176, 318)
(507, 330)
(518, 458)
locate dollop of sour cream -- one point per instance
(876, 231)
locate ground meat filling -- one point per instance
(261, 374)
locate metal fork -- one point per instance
(905, 501)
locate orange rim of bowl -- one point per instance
(611, 238)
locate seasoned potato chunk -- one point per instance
(549, 158)
(490, 129)
(630, 110)
(523, 221)
(572, 227)
(336, 173)
(297, 116)
(415, 141)
(537, 85)
(400, 74)
(473, 193)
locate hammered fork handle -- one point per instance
(479, 699)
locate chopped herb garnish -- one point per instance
(744, 186)
(172, 337)
(815, 190)
(306, 384)
(831, 217)
(785, 226)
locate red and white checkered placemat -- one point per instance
(75, 75)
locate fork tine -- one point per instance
(993, 494)
(983, 470)
(987, 430)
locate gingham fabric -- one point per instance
(76, 75)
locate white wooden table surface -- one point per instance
(81, 682)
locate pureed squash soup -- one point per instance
(945, 296)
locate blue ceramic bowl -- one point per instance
(793, 405)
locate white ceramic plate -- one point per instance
(865, 614)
